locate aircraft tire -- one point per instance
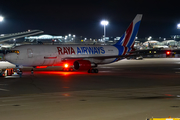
(96, 70)
(92, 70)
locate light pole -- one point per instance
(104, 22)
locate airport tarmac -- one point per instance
(128, 89)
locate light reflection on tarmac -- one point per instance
(128, 89)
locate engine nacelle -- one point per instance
(82, 65)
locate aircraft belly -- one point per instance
(48, 62)
(109, 51)
(109, 60)
(38, 61)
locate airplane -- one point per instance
(75, 57)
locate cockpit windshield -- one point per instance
(14, 51)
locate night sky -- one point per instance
(82, 17)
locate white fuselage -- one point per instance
(52, 55)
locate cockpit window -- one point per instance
(14, 51)
(11, 51)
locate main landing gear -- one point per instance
(93, 70)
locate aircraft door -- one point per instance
(29, 53)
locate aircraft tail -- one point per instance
(128, 38)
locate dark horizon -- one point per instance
(82, 18)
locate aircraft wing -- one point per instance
(12, 36)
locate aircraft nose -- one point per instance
(8, 57)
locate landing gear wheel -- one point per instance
(89, 71)
(96, 70)
(93, 71)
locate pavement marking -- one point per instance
(5, 105)
(12, 77)
(3, 84)
(23, 99)
(3, 89)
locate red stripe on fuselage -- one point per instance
(128, 34)
(125, 50)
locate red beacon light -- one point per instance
(168, 53)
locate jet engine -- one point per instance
(82, 65)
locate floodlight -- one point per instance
(178, 26)
(1, 18)
(104, 22)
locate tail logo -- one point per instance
(128, 38)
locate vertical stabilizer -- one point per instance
(128, 38)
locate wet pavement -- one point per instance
(128, 89)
